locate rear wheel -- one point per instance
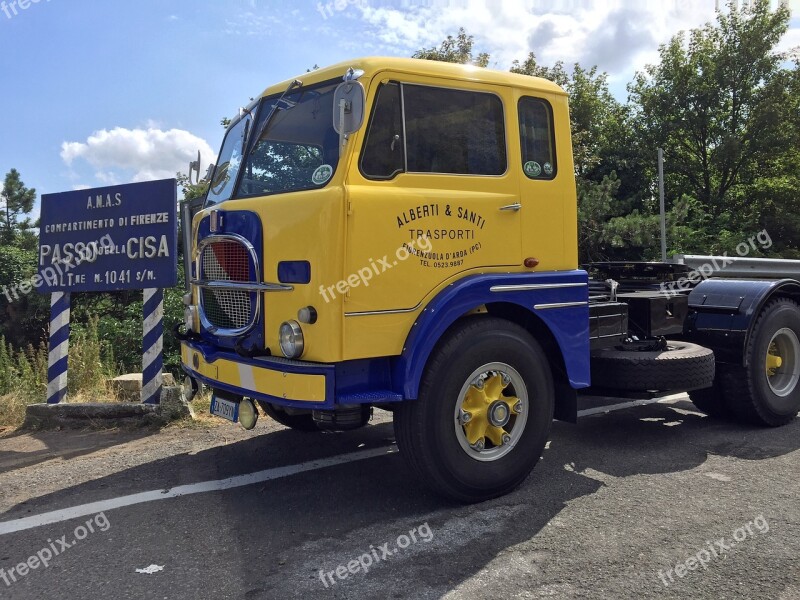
(483, 414)
(766, 392)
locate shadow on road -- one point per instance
(314, 518)
(46, 445)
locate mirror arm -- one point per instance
(342, 110)
(194, 166)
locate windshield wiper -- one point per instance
(295, 84)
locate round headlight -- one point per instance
(291, 339)
(248, 415)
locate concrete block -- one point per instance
(51, 416)
(128, 388)
(173, 406)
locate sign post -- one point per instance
(109, 239)
(59, 348)
(153, 346)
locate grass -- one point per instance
(23, 379)
(23, 374)
(12, 409)
(203, 419)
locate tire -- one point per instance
(303, 423)
(683, 366)
(711, 400)
(753, 395)
(484, 364)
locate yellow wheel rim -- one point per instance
(774, 360)
(491, 412)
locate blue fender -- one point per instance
(723, 312)
(559, 299)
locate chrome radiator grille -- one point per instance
(220, 261)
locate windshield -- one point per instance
(229, 162)
(298, 149)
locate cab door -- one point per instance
(547, 182)
(430, 196)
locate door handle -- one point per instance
(515, 207)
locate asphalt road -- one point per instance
(645, 502)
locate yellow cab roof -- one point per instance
(433, 68)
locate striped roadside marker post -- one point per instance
(59, 348)
(153, 346)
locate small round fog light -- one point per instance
(248, 415)
(291, 339)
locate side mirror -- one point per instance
(194, 167)
(348, 107)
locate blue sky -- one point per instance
(95, 93)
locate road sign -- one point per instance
(122, 237)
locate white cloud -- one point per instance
(119, 155)
(619, 36)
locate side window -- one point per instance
(537, 139)
(383, 153)
(446, 131)
(454, 131)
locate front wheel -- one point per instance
(483, 414)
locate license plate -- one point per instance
(225, 409)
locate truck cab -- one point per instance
(401, 234)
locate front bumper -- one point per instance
(271, 379)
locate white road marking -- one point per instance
(601, 410)
(93, 508)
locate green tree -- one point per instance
(191, 190)
(17, 201)
(723, 104)
(23, 317)
(455, 50)
(7, 369)
(616, 217)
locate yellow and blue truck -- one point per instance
(402, 234)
